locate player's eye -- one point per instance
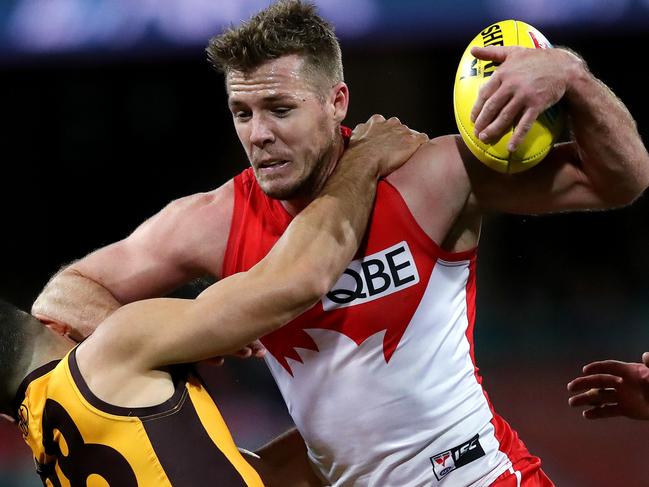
(241, 115)
(281, 111)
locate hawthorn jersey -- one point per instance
(379, 376)
(79, 440)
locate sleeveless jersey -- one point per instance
(78, 440)
(379, 376)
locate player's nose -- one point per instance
(261, 132)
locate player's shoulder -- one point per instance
(438, 162)
(187, 219)
(209, 204)
(220, 195)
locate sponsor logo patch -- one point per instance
(540, 42)
(373, 277)
(458, 456)
(23, 420)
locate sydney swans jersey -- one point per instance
(77, 439)
(379, 376)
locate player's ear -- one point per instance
(59, 328)
(340, 101)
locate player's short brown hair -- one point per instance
(284, 28)
(14, 337)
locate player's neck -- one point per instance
(326, 168)
(47, 346)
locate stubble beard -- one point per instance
(308, 186)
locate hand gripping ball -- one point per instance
(472, 73)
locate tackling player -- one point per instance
(119, 408)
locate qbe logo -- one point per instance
(458, 456)
(373, 277)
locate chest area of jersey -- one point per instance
(378, 293)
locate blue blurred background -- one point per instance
(110, 110)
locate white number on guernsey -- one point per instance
(373, 277)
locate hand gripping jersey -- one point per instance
(379, 376)
(79, 440)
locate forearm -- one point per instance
(325, 236)
(301, 267)
(614, 158)
(73, 304)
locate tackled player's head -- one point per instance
(16, 330)
(287, 95)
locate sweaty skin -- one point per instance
(291, 142)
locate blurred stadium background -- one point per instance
(110, 111)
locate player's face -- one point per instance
(288, 128)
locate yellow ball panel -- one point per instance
(472, 73)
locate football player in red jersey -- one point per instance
(379, 420)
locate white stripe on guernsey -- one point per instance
(518, 476)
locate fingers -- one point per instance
(376, 118)
(217, 361)
(645, 358)
(490, 98)
(254, 349)
(517, 92)
(608, 411)
(245, 352)
(594, 397)
(387, 143)
(614, 367)
(258, 350)
(491, 53)
(594, 382)
(486, 91)
(497, 111)
(522, 128)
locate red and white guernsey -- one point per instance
(379, 376)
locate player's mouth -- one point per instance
(272, 166)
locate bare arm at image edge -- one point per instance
(183, 241)
(605, 166)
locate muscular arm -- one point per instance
(606, 165)
(301, 267)
(185, 240)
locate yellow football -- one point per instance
(472, 73)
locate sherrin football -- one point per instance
(472, 73)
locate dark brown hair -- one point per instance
(284, 28)
(14, 336)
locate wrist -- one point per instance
(362, 163)
(577, 75)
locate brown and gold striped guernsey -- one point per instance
(79, 440)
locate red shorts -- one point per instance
(524, 473)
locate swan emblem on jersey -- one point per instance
(378, 292)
